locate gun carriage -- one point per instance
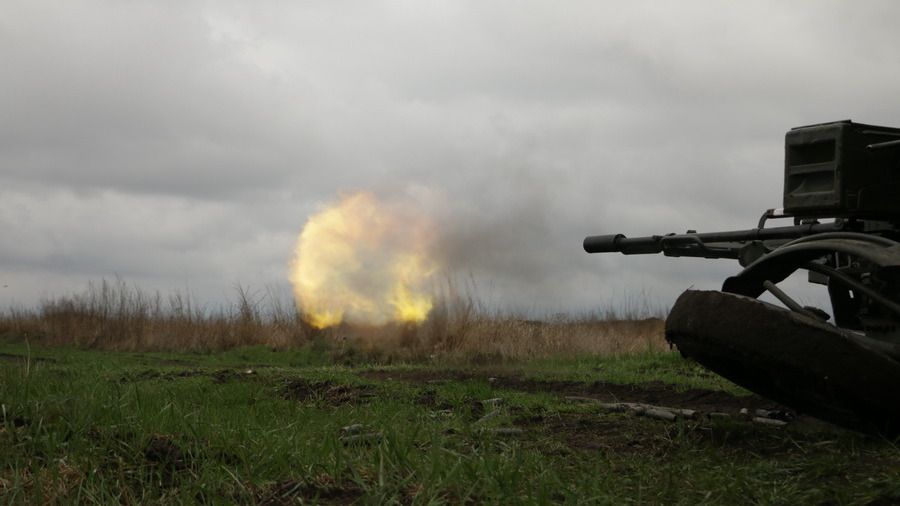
(842, 200)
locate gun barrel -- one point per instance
(708, 245)
(613, 243)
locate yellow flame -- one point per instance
(364, 261)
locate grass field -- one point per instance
(253, 425)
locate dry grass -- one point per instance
(115, 315)
(460, 326)
(118, 316)
(515, 338)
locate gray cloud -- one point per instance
(186, 143)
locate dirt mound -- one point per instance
(162, 450)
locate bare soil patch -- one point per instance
(317, 491)
(161, 450)
(654, 392)
(217, 376)
(164, 361)
(628, 435)
(588, 432)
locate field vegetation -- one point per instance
(114, 315)
(116, 396)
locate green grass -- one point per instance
(86, 427)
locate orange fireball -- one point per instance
(364, 261)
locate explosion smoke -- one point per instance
(364, 261)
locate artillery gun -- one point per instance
(842, 193)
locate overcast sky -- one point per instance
(184, 144)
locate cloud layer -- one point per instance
(184, 144)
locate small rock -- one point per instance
(355, 428)
(659, 414)
(686, 413)
(615, 407)
(769, 421)
(491, 415)
(359, 439)
(784, 416)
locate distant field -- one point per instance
(314, 425)
(114, 315)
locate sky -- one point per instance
(183, 145)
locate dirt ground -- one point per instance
(655, 392)
(626, 434)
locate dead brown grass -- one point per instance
(461, 326)
(118, 316)
(497, 338)
(56, 481)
